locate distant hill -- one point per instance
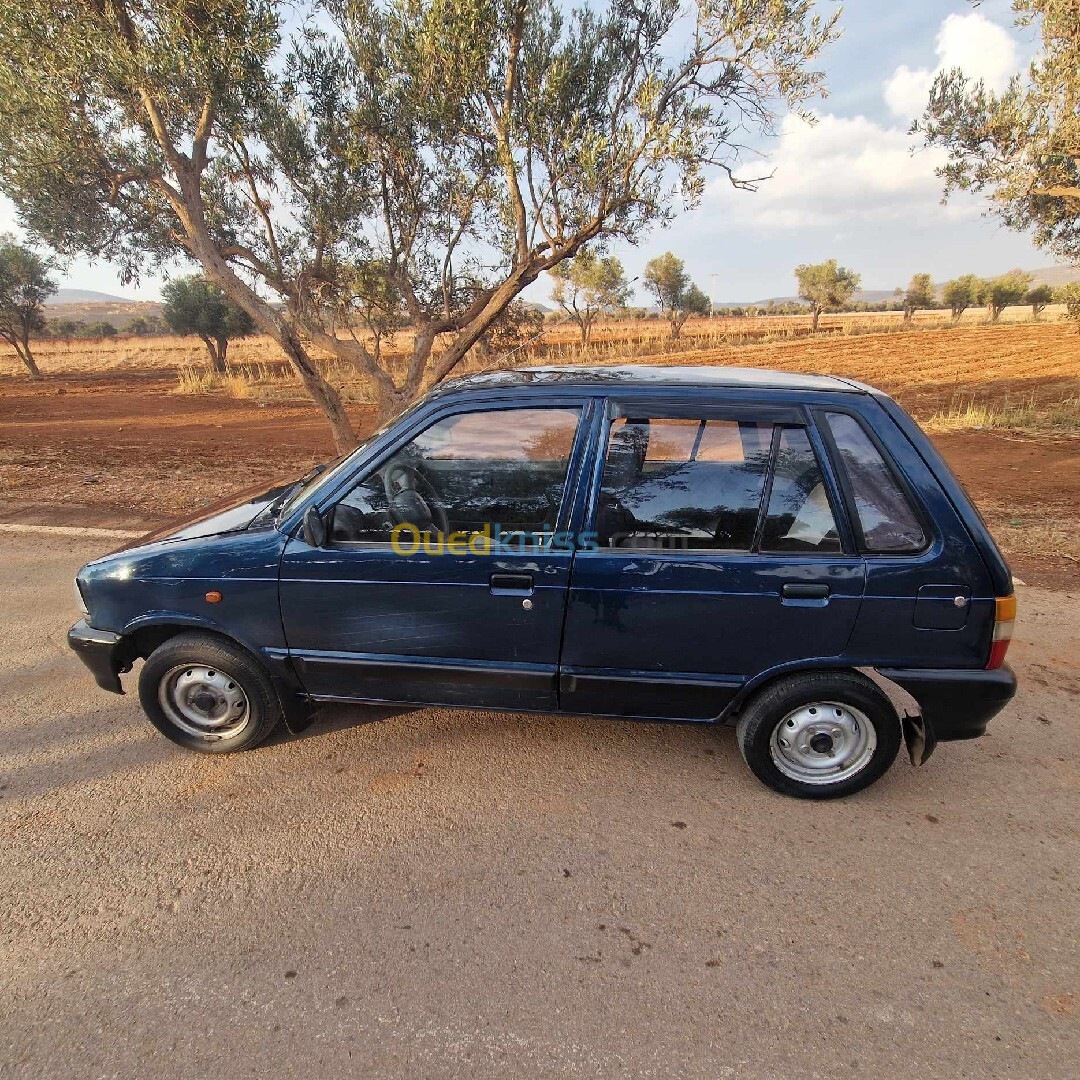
(87, 296)
(1047, 275)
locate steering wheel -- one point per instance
(412, 500)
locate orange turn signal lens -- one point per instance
(1004, 620)
(213, 597)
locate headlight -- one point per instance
(81, 600)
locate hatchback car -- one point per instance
(785, 554)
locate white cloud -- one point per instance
(842, 169)
(979, 47)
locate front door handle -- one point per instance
(795, 590)
(511, 584)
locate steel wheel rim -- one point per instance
(823, 742)
(204, 701)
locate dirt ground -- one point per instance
(456, 894)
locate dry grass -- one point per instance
(1041, 537)
(1027, 413)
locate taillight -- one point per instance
(1004, 619)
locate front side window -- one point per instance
(683, 484)
(888, 520)
(497, 472)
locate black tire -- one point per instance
(209, 661)
(781, 702)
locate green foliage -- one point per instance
(960, 293)
(676, 295)
(825, 286)
(1038, 297)
(1069, 295)
(137, 327)
(193, 305)
(1022, 147)
(446, 153)
(1004, 291)
(919, 294)
(25, 285)
(64, 328)
(101, 329)
(587, 285)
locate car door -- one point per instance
(443, 578)
(718, 554)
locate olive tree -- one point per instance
(960, 293)
(676, 295)
(193, 305)
(1004, 291)
(1022, 146)
(825, 286)
(25, 285)
(919, 294)
(587, 285)
(446, 153)
(1038, 296)
(1069, 295)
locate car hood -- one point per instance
(232, 514)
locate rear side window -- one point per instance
(699, 485)
(888, 520)
(683, 484)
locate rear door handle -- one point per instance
(800, 591)
(511, 584)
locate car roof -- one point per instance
(653, 375)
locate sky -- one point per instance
(849, 187)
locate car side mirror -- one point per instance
(314, 528)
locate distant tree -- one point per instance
(825, 286)
(919, 294)
(960, 293)
(586, 285)
(137, 327)
(1004, 291)
(1022, 146)
(101, 329)
(63, 328)
(194, 305)
(1038, 296)
(25, 285)
(1069, 295)
(676, 295)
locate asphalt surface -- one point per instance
(456, 894)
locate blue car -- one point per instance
(785, 554)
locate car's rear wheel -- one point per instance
(208, 695)
(819, 735)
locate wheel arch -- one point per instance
(918, 736)
(149, 632)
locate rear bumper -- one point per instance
(956, 704)
(98, 650)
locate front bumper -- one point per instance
(956, 704)
(99, 651)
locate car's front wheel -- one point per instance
(208, 695)
(819, 735)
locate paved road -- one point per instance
(452, 894)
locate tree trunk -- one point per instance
(27, 357)
(223, 351)
(216, 364)
(817, 316)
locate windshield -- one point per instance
(335, 467)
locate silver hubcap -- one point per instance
(204, 701)
(823, 742)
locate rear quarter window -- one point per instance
(888, 521)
